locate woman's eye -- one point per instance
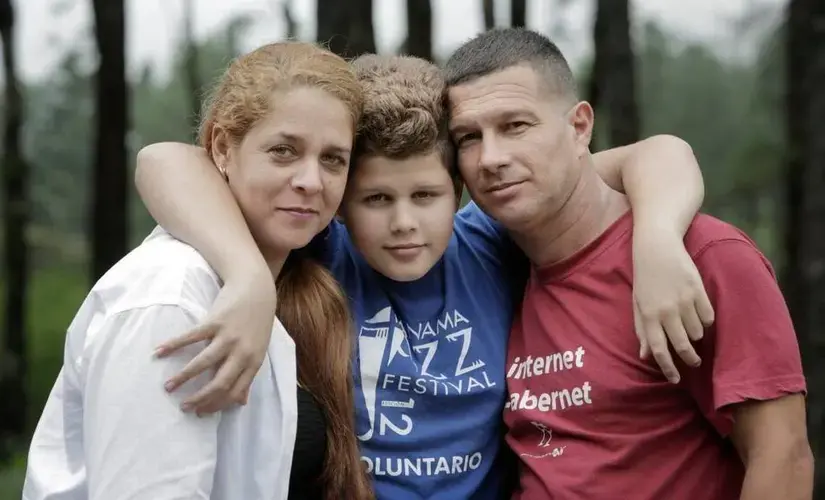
(334, 160)
(282, 152)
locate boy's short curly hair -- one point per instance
(404, 112)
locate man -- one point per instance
(587, 417)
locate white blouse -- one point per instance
(110, 431)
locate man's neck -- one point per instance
(589, 210)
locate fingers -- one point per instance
(675, 330)
(693, 325)
(215, 395)
(210, 357)
(203, 332)
(704, 308)
(644, 348)
(657, 341)
(240, 393)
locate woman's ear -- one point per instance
(221, 150)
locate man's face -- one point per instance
(518, 145)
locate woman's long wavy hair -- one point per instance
(311, 305)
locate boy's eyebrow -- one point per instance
(374, 187)
(430, 187)
(414, 187)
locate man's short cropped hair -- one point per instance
(502, 48)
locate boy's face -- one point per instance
(400, 213)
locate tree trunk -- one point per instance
(190, 65)
(518, 13)
(796, 60)
(289, 20)
(614, 71)
(419, 29)
(804, 276)
(16, 213)
(346, 27)
(594, 84)
(110, 184)
(489, 14)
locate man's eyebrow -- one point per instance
(504, 115)
(460, 127)
(518, 113)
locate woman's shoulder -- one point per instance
(162, 270)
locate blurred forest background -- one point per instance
(752, 107)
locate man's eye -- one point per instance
(517, 126)
(466, 139)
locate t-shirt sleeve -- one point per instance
(502, 249)
(751, 351)
(483, 223)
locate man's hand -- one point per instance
(669, 299)
(237, 331)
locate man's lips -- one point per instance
(502, 186)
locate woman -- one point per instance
(279, 129)
(431, 293)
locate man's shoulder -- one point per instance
(706, 231)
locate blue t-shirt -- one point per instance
(429, 362)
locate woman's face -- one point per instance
(289, 172)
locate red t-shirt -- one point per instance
(590, 420)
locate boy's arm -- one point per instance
(184, 192)
(186, 195)
(664, 185)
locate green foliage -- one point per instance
(729, 110)
(11, 480)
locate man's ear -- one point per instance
(221, 150)
(581, 119)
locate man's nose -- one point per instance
(493, 156)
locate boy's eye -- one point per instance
(423, 195)
(376, 198)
